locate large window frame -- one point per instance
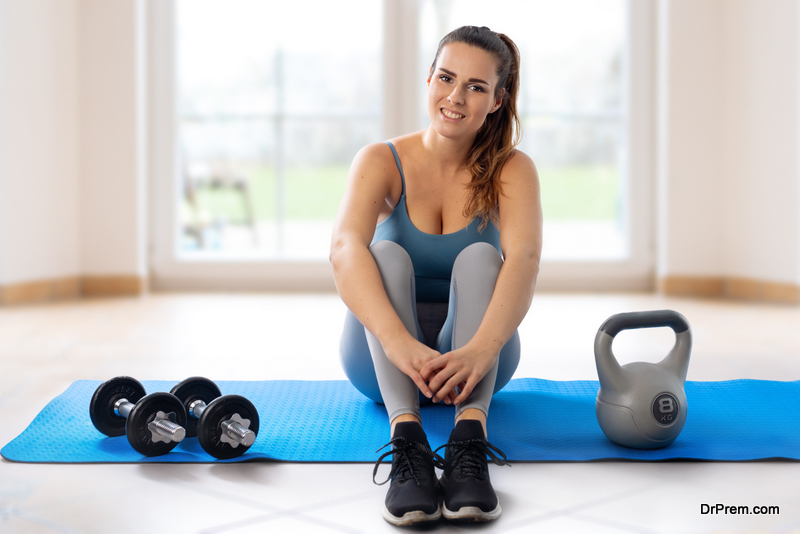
(401, 106)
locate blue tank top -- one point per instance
(432, 255)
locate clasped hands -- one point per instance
(448, 377)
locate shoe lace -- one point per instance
(408, 459)
(470, 455)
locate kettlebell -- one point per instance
(642, 405)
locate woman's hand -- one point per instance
(462, 368)
(411, 356)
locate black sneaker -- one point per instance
(468, 492)
(413, 495)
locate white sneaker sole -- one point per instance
(471, 514)
(411, 518)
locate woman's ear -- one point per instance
(499, 100)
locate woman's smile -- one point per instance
(452, 115)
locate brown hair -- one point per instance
(502, 131)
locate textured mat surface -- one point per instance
(531, 420)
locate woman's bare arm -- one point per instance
(355, 272)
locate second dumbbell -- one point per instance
(225, 425)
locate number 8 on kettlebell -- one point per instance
(642, 405)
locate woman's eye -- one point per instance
(477, 88)
(444, 78)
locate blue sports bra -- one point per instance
(432, 255)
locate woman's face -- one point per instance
(461, 90)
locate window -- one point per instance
(274, 99)
(258, 108)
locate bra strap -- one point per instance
(399, 167)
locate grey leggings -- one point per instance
(443, 327)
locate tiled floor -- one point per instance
(43, 348)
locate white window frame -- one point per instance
(638, 175)
(401, 105)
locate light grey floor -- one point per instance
(43, 348)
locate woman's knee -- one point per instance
(479, 258)
(389, 254)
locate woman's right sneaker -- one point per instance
(413, 496)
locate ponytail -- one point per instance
(501, 132)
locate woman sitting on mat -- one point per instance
(435, 252)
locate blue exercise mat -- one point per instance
(531, 420)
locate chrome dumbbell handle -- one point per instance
(236, 429)
(163, 427)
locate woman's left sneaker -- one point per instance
(468, 492)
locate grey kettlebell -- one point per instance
(642, 405)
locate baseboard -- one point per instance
(40, 290)
(71, 288)
(692, 286)
(126, 285)
(743, 288)
(112, 286)
(731, 288)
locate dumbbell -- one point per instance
(154, 424)
(226, 426)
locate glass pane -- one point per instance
(271, 115)
(318, 156)
(229, 184)
(572, 106)
(579, 170)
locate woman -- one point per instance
(416, 253)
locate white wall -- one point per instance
(71, 147)
(690, 146)
(40, 135)
(729, 128)
(760, 131)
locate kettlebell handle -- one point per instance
(646, 319)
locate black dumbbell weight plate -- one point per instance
(101, 407)
(139, 435)
(193, 389)
(219, 410)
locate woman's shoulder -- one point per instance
(407, 145)
(519, 166)
(519, 161)
(374, 153)
(376, 161)
(520, 197)
(374, 170)
(380, 157)
(382, 151)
